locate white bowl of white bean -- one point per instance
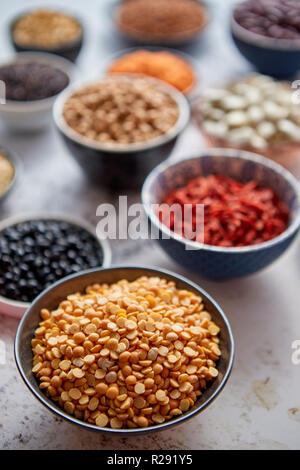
(125, 349)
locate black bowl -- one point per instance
(69, 50)
(279, 58)
(126, 166)
(76, 283)
(116, 170)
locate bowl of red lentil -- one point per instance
(244, 211)
(125, 349)
(119, 127)
(159, 22)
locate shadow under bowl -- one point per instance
(215, 262)
(51, 297)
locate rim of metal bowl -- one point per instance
(159, 427)
(228, 153)
(174, 131)
(47, 58)
(13, 158)
(262, 41)
(13, 220)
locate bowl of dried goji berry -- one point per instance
(224, 213)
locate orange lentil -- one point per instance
(163, 65)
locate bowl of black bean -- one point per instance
(29, 84)
(37, 250)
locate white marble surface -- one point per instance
(260, 406)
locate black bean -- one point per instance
(34, 254)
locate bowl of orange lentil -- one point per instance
(172, 66)
(125, 349)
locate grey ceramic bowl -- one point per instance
(53, 295)
(28, 116)
(16, 308)
(120, 166)
(216, 262)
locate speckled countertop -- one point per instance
(260, 406)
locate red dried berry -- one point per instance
(235, 214)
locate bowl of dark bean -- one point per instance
(44, 30)
(38, 250)
(30, 83)
(127, 124)
(267, 33)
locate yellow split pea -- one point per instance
(126, 355)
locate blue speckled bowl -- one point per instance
(216, 262)
(279, 58)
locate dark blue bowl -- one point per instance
(279, 58)
(214, 262)
(120, 166)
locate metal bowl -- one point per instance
(77, 282)
(16, 308)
